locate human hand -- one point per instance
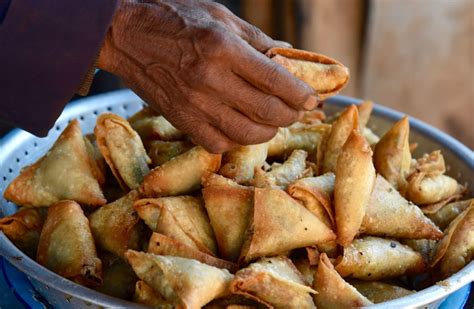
(204, 69)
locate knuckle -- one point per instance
(265, 109)
(270, 75)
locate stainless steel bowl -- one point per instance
(19, 148)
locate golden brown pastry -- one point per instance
(388, 214)
(229, 207)
(23, 228)
(340, 131)
(163, 245)
(315, 193)
(355, 178)
(392, 155)
(145, 295)
(181, 174)
(274, 282)
(184, 282)
(332, 291)
(324, 74)
(239, 164)
(379, 292)
(116, 226)
(456, 249)
(182, 218)
(150, 125)
(163, 151)
(424, 188)
(122, 149)
(65, 172)
(373, 258)
(280, 224)
(66, 245)
(443, 216)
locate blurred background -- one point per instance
(416, 56)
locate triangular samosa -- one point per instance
(275, 282)
(184, 282)
(392, 155)
(379, 292)
(182, 218)
(279, 224)
(66, 245)
(426, 189)
(443, 216)
(316, 194)
(23, 228)
(65, 172)
(182, 174)
(456, 249)
(122, 149)
(355, 177)
(282, 175)
(163, 245)
(389, 214)
(239, 164)
(116, 226)
(332, 291)
(373, 258)
(340, 131)
(229, 207)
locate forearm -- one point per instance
(46, 50)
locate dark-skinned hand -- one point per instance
(205, 70)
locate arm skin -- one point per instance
(46, 49)
(194, 61)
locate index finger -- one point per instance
(272, 78)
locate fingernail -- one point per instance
(311, 103)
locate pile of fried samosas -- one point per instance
(325, 214)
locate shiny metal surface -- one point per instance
(19, 148)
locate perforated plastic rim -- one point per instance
(21, 261)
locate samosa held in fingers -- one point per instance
(325, 75)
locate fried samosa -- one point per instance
(324, 74)
(274, 282)
(122, 149)
(315, 193)
(151, 126)
(443, 216)
(163, 245)
(229, 207)
(66, 245)
(372, 258)
(116, 226)
(392, 155)
(355, 178)
(182, 218)
(389, 214)
(181, 174)
(332, 291)
(305, 137)
(184, 282)
(341, 129)
(426, 189)
(23, 228)
(283, 174)
(239, 164)
(162, 151)
(65, 172)
(456, 249)
(379, 292)
(280, 224)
